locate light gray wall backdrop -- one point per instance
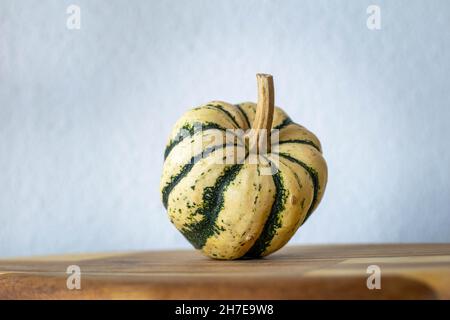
(84, 114)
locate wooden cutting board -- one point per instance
(408, 271)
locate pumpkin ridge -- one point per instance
(273, 221)
(192, 129)
(315, 179)
(244, 115)
(300, 141)
(225, 111)
(213, 200)
(187, 168)
(297, 179)
(283, 124)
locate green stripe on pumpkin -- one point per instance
(314, 177)
(213, 200)
(283, 124)
(191, 129)
(308, 142)
(273, 221)
(226, 112)
(244, 115)
(187, 168)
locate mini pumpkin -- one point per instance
(232, 209)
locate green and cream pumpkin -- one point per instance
(233, 210)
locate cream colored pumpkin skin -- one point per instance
(229, 211)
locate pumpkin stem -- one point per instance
(264, 113)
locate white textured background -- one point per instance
(84, 115)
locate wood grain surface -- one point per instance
(408, 271)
